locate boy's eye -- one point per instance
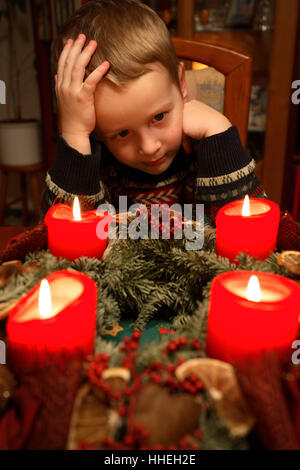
(159, 117)
(122, 134)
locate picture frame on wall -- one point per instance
(240, 13)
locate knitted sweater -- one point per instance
(217, 171)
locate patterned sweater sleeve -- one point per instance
(224, 172)
(74, 174)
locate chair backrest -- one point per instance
(206, 85)
(237, 70)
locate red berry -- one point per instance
(182, 442)
(196, 344)
(99, 369)
(107, 441)
(155, 377)
(134, 345)
(129, 440)
(199, 385)
(193, 378)
(145, 434)
(122, 410)
(163, 331)
(155, 365)
(180, 361)
(169, 380)
(127, 363)
(171, 347)
(105, 388)
(198, 433)
(157, 447)
(136, 334)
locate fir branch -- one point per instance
(109, 311)
(164, 296)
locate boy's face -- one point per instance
(141, 123)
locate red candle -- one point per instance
(72, 235)
(39, 329)
(244, 323)
(255, 233)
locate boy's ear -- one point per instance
(182, 81)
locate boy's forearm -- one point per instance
(78, 142)
(217, 126)
(224, 170)
(74, 173)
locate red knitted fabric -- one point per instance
(289, 233)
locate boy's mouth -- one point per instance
(156, 162)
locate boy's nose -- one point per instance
(149, 144)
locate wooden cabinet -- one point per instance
(276, 58)
(277, 174)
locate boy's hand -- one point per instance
(199, 121)
(75, 97)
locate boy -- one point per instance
(127, 127)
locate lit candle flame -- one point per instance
(246, 207)
(76, 209)
(253, 289)
(45, 303)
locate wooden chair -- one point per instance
(237, 70)
(22, 171)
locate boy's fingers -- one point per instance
(71, 58)
(79, 68)
(94, 78)
(62, 60)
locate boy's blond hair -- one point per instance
(129, 34)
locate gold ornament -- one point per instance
(220, 381)
(112, 330)
(291, 261)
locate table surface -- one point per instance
(7, 232)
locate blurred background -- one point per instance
(267, 30)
